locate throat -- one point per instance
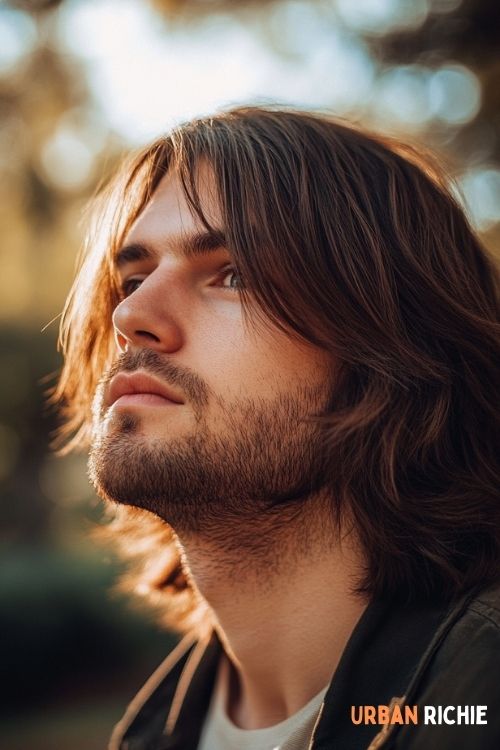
(283, 612)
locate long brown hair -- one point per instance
(356, 243)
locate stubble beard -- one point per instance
(258, 469)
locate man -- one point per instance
(296, 335)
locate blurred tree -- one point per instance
(468, 33)
(40, 242)
(204, 7)
(465, 32)
(34, 97)
(35, 6)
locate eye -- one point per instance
(230, 279)
(129, 286)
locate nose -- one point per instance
(147, 317)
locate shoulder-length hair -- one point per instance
(355, 243)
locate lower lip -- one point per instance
(143, 399)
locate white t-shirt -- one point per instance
(219, 732)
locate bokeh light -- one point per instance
(454, 94)
(401, 97)
(66, 159)
(481, 190)
(382, 16)
(17, 38)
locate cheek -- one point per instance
(289, 362)
(232, 363)
(263, 371)
(235, 359)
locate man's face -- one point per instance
(203, 418)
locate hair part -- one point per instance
(355, 243)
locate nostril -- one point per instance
(121, 341)
(148, 336)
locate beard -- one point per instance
(265, 456)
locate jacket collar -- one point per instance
(378, 663)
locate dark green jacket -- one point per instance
(424, 655)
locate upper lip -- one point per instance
(125, 383)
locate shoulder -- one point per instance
(474, 639)
(486, 608)
(469, 652)
(461, 672)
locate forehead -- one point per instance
(168, 213)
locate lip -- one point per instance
(145, 388)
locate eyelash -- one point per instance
(226, 272)
(125, 287)
(126, 291)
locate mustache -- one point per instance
(190, 384)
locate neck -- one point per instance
(284, 611)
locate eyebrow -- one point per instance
(184, 246)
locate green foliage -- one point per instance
(61, 631)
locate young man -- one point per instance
(284, 345)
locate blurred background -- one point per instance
(81, 83)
